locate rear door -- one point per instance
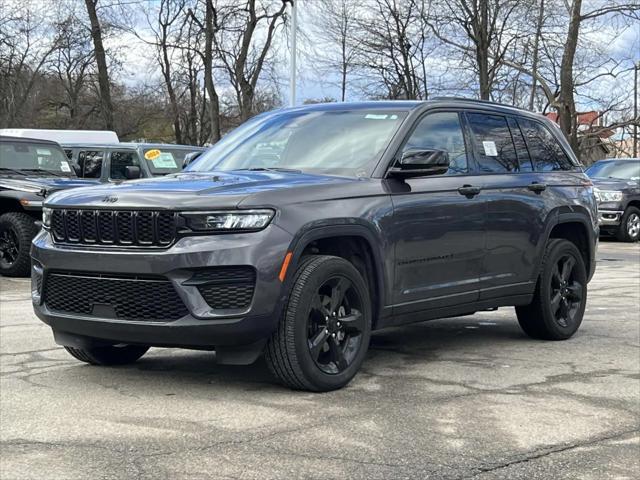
(517, 207)
(437, 229)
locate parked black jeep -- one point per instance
(617, 183)
(29, 171)
(305, 229)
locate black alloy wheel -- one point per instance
(560, 297)
(9, 247)
(566, 291)
(323, 333)
(335, 325)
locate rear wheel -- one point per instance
(17, 229)
(323, 334)
(629, 230)
(109, 355)
(561, 294)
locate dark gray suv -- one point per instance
(305, 229)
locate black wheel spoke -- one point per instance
(353, 322)
(317, 343)
(575, 292)
(337, 355)
(555, 303)
(567, 268)
(338, 292)
(316, 304)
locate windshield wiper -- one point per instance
(12, 170)
(41, 170)
(271, 169)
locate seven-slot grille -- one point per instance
(114, 227)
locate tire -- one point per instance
(557, 308)
(17, 229)
(110, 355)
(629, 230)
(314, 348)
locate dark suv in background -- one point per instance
(617, 183)
(305, 229)
(30, 169)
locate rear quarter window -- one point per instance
(546, 153)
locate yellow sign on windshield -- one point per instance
(152, 154)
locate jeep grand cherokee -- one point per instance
(306, 228)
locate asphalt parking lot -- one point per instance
(470, 397)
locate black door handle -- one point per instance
(469, 190)
(537, 187)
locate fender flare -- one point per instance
(340, 227)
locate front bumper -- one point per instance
(610, 218)
(202, 327)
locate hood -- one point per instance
(46, 185)
(616, 184)
(191, 190)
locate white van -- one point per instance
(63, 136)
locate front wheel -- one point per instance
(629, 230)
(108, 355)
(561, 294)
(17, 229)
(324, 331)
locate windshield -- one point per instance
(33, 158)
(348, 142)
(163, 161)
(623, 169)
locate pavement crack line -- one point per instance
(537, 454)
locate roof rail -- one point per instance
(474, 100)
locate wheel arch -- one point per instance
(577, 227)
(349, 238)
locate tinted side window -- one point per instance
(496, 151)
(69, 154)
(521, 146)
(119, 163)
(90, 163)
(442, 131)
(546, 152)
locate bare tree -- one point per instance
(101, 62)
(242, 51)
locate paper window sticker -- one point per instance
(164, 160)
(490, 149)
(64, 166)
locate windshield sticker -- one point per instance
(64, 166)
(490, 149)
(43, 151)
(373, 116)
(152, 154)
(164, 160)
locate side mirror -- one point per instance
(132, 172)
(419, 162)
(76, 169)
(189, 158)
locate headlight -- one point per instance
(608, 196)
(46, 217)
(228, 220)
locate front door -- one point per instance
(438, 223)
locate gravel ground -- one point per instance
(469, 397)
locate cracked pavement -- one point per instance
(463, 398)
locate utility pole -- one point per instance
(294, 31)
(635, 109)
